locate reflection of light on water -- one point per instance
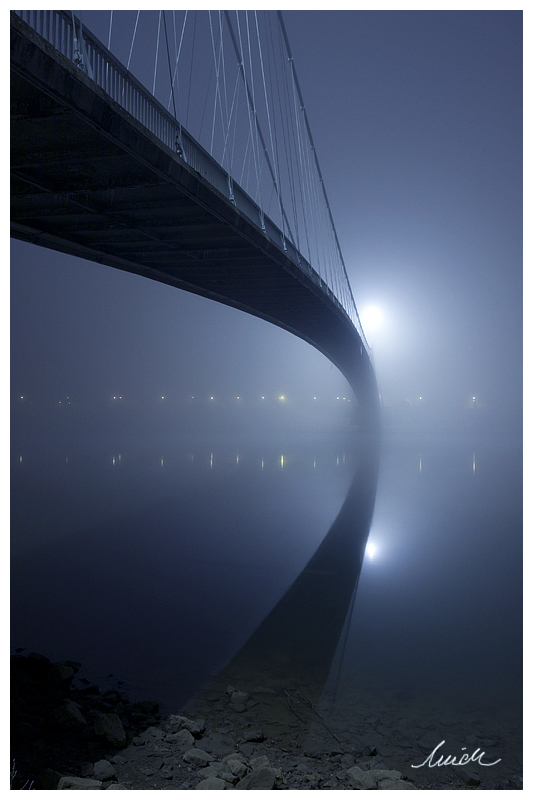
(473, 463)
(420, 464)
(314, 463)
(262, 464)
(162, 462)
(20, 459)
(370, 550)
(211, 462)
(282, 462)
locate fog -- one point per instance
(170, 452)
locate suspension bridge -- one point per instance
(209, 181)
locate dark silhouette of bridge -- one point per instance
(100, 170)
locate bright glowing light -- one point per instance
(370, 550)
(282, 397)
(212, 398)
(372, 318)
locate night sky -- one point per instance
(417, 120)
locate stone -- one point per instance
(236, 767)
(394, 784)
(115, 786)
(253, 736)
(182, 738)
(259, 761)
(71, 782)
(239, 697)
(103, 770)
(360, 779)
(384, 774)
(238, 707)
(469, 774)
(152, 734)
(49, 779)
(195, 726)
(219, 770)
(69, 714)
(197, 758)
(262, 778)
(110, 728)
(213, 783)
(61, 673)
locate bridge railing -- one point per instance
(67, 35)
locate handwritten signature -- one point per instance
(477, 755)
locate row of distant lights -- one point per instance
(117, 460)
(193, 397)
(238, 397)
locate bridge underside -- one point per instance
(87, 179)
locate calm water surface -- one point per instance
(156, 557)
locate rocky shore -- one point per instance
(67, 734)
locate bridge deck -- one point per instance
(89, 180)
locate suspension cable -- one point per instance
(343, 265)
(133, 39)
(254, 114)
(156, 51)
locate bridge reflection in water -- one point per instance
(284, 666)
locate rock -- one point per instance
(238, 707)
(71, 782)
(239, 697)
(253, 736)
(213, 783)
(181, 738)
(360, 779)
(262, 778)
(384, 774)
(48, 779)
(69, 714)
(195, 726)
(115, 786)
(110, 728)
(148, 707)
(393, 784)
(103, 770)
(61, 673)
(219, 770)
(469, 774)
(260, 761)
(198, 758)
(236, 766)
(152, 735)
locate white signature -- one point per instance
(477, 755)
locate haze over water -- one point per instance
(155, 528)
